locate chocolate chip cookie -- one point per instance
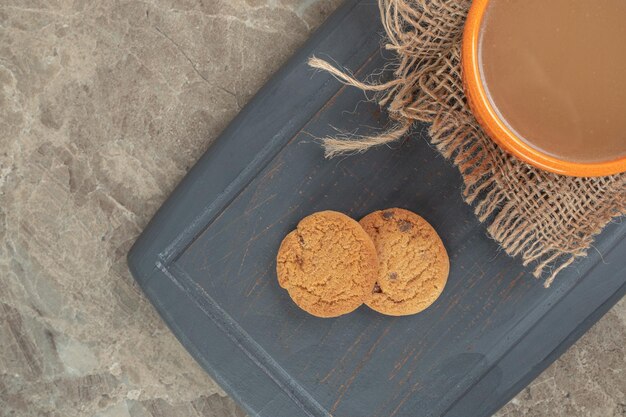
(328, 264)
(413, 263)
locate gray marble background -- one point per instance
(104, 106)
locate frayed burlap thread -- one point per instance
(546, 219)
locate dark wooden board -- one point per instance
(206, 261)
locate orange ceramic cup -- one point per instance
(496, 128)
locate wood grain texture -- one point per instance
(207, 263)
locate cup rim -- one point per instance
(497, 129)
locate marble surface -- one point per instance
(104, 106)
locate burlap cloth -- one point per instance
(548, 220)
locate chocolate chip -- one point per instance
(301, 239)
(387, 215)
(404, 226)
(393, 275)
(377, 289)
